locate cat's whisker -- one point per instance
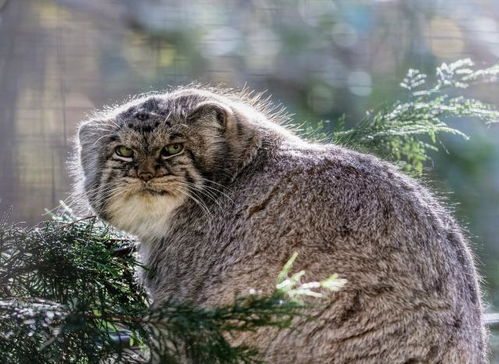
(199, 189)
(218, 186)
(103, 190)
(213, 182)
(201, 204)
(168, 116)
(211, 193)
(215, 190)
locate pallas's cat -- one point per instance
(220, 195)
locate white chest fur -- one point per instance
(146, 216)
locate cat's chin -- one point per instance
(145, 214)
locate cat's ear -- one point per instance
(87, 131)
(213, 110)
(90, 132)
(86, 143)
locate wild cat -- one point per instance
(220, 195)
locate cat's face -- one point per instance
(142, 163)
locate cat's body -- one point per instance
(411, 294)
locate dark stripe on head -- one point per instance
(144, 127)
(142, 116)
(196, 164)
(188, 177)
(106, 184)
(150, 104)
(128, 113)
(168, 169)
(176, 135)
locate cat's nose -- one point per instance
(145, 176)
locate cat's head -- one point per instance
(140, 161)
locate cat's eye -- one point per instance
(123, 151)
(172, 149)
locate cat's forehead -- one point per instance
(151, 108)
(149, 124)
(175, 106)
(145, 117)
(157, 119)
(152, 133)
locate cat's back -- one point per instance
(334, 192)
(410, 273)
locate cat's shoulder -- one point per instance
(330, 174)
(327, 163)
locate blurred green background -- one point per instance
(61, 59)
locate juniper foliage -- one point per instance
(68, 293)
(406, 131)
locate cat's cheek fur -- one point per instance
(147, 217)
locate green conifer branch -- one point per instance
(407, 131)
(66, 295)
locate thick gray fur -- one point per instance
(228, 212)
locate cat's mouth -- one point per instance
(152, 190)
